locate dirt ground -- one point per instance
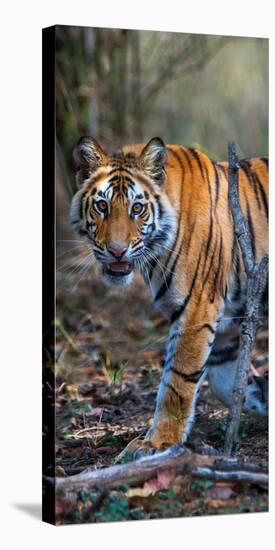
(110, 347)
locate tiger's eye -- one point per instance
(102, 206)
(137, 208)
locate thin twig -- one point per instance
(256, 283)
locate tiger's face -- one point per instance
(121, 207)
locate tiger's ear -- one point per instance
(153, 158)
(88, 156)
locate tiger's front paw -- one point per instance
(137, 448)
(156, 440)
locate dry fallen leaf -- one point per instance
(151, 487)
(59, 471)
(216, 503)
(138, 492)
(72, 391)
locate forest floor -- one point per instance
(110, 347)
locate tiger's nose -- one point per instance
(117, 250)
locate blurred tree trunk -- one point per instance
(136, 86)
(122, 86)
(89, 45)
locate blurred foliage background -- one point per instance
(126, 86)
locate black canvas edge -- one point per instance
(48, 271)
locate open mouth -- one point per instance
(119, 268)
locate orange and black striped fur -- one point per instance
(164, 210)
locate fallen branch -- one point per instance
(257, 274)
(243, 476)
(177, 458)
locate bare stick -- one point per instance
(244, 476)
(256, 284)
(177, 458)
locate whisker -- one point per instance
(69, 241)
(154, 258)
(82, 273)
(74, 248)
(72, 262)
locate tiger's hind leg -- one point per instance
(222, 364)
(221, 370)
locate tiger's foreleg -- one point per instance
(190, 341)
(189, 345)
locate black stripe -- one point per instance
(130, 182)
(114, 179)
(153, 263)
(222, 358)
(168, 280)
(203, 168)
(83, 205)
(265, 160)
(206, 278)
(209, 240)
(207, 326)
(160, 207)
(181, 308)
(80, 207)
(212, 294)
(217, 184)
(223, 169)
(263, 194)
(210, 221)
(196, 156)
(136, 244)
(120, 170)
(247, 170)
(191, 231)
(174, 246)
(228, 353)
(86, 205)
(174, 391)
(237, 292)
(177, 157)
(160, 237)
(251, 230)
(187, 159)
(194, 377)
(153, 211)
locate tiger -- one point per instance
(164, 211)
